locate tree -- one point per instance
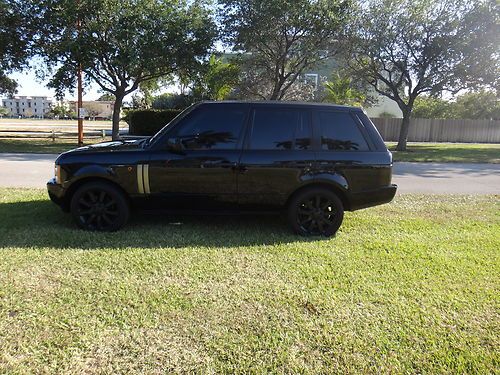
(172, 101)
(427, 106)
(279, 40)
(406, 48)
(122, 43)
(215, 79)
(477, 105)
(93, 109)
(341, 89)
(15, 42)
(106, 98)
(4, 111)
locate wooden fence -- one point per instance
(436, 130)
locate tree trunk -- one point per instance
(403, 133)
(116, 115)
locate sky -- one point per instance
(30, 85)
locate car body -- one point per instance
(237, 156)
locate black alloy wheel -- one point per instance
(99, 206)
(316, 212)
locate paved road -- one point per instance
(32, 170)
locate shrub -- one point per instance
(172, 101)
(386, 115)
(148, 122)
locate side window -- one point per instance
(340, 132)
(280, 129)
(216, 128)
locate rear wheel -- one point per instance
(99, 206)
(316, 212)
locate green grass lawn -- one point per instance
(41, 145)
(409, 287)
(448, 152)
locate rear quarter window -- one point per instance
(340, 132)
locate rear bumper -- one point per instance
(372, 198)
(56, 194)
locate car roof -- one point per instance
(285, 103)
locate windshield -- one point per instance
(167, 127)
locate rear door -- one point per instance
(277, 155)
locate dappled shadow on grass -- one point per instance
(40, 223)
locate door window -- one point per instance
(340, 132)
(216, 128)
(280, 129)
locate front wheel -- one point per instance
(316, 212)
(99, 206)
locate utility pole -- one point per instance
(79, 109)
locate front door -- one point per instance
(202, 172)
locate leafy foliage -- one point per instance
(472, 105)
(215, 80)
(106, 97)
(342, 90)
(61, 111)
(172, 101)
(411, 47)
(477, 105)
(431, 107)
(122, 44)
(15, 42)
(149, 122)
(278, 40)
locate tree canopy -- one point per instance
(15, 42)
(405, 48)
(480, 105)
(122, 43)
(278, 40)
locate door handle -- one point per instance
(218, 164)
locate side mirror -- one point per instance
(174, 144)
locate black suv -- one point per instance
(314, 160)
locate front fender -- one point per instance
(91, 170)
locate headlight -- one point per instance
(57, 173)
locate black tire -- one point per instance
(99, 206)
(315, 212)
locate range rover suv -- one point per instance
(313, 161)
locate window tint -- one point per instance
(339, 131)
(212, 128)
(280, 129)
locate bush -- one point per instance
(172, 101)
(148, 122)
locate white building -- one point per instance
(27, 106)
(384, 107)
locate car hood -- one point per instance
(102, 148)
(110, 146)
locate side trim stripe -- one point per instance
(140, 182)
(146, 179)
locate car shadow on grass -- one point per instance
(39, 223)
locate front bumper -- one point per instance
(56, 194)
(372, 197)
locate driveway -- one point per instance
(33, 170)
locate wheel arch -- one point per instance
(84, 180)
(339, 191)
